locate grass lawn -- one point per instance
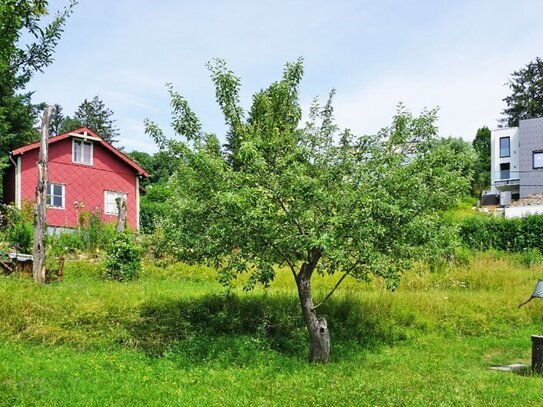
(175, 337)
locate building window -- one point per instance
(505, 171)
(82, 152)
(505, 147)
(55, 196)
(110, 203)
(537, 159)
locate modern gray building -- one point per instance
(517, 160)
(531, 156)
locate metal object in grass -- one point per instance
(537, 340)
(538, 293)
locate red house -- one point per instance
(85, 173)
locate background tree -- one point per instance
(56, 120)
(154, 203)
(526, 98)
(26, 47)
(481, 145)
(310, 198)
(96, 116)
(160, 166)
(464, 152)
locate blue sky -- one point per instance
(456, 55)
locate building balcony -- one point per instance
(509, 182)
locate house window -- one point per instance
(505, 147)
(82, 152)
(537, 159)
(55, 196)
(110, 203)
(505, 171)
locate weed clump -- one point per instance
(530, 258)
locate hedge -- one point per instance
(490, 232)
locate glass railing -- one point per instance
(506, 174)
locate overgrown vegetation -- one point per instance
(123, 258)
(91, 236)
(175, 337)
(492, 232)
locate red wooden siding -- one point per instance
(82, 183)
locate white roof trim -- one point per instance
(84, 136)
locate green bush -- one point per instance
(490, 232)
(94, 233)
(154, 207)
(530, 258)
(65, 242)
(123, 258)
(18, 226)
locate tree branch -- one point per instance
(331, 292)
(298, 225)
(285, 258)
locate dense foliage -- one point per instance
(17, 228)
(154, 206)
(481, 145)
(26, 47)
(90, 236)
(526, 98)
(492, 232)
(310, 197)
(123, 258)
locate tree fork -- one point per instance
(317, 327)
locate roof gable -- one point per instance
(88, 134)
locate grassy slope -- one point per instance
(153, 342)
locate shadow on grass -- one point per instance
(209, 327)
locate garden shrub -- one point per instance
(94, 233)
(18, 226)
(154, 207)
(515, 235)
(123, 258)
(65, 242)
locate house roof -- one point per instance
(85, 132)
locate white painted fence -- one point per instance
(519, 211)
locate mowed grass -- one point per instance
(176, 337)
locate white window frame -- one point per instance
(49, 193)
(84, 144)
(117, 194)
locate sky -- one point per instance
(455, 55)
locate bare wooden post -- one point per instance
(537, 353)
(40, 207)
(121, 214)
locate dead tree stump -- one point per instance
(537, 353)
(40, 208)
(121, 214)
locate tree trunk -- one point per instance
(40, 208)
(319, 336)
(121, 214)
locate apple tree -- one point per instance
(306, 196)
